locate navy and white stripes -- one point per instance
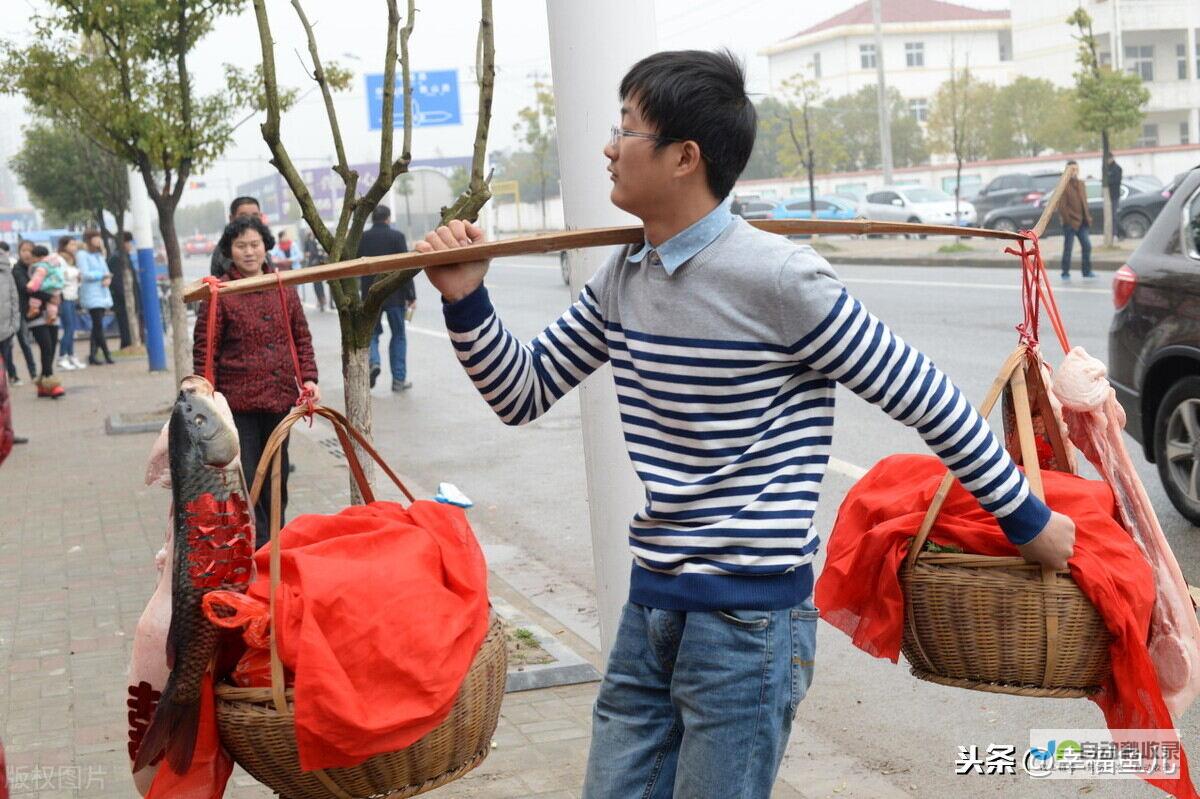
(731, 435)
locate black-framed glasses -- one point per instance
(618, 132)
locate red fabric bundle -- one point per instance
(859, 589)
(380, 612)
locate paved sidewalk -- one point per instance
(75, 576)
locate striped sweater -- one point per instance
(725, 373)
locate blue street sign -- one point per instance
(434, 100)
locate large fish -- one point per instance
(212, 549)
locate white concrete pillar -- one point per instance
(592, 45)
(142, 227)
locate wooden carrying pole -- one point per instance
(554, 242)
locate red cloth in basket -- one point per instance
(859, 589)
(380, 612)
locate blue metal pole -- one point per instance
(139, 213)
(156, 353)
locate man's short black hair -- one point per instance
(240, 201)
(1072, 162)
(39, 251)
(239, 226)
(4, 246)
(699, 96)
(381, 214)
(126, 236)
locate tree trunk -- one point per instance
(130, 283)
(181, 339)
(356, 377)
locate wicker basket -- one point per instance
(1000, 624)
(257, 724)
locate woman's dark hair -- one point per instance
(39, 251)
(700, 96)
(63, 241)
(239, 226)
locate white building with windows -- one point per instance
(921, 40)
(1156, 39)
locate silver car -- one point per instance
(916, 204)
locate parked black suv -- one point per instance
(1154, 345)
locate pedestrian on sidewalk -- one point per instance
(383, 239)
(119, 263)
(725, 344)
(241, 206)
(43, 324)
(24, 337)
(315, 256)
(251, 353)
(1076, 219)
(67, 247)
(95, 295)
(10, 314)
(1112, 176)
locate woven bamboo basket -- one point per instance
(257, 724)
(1001, 624)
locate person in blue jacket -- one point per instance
(94, 294)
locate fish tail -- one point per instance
(172, 730)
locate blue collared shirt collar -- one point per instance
(683, 246)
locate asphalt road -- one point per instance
(530, 493)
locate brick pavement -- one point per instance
(78, 533)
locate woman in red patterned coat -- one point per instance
(252, 359)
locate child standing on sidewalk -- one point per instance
(725, 343)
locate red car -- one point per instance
(198, 245)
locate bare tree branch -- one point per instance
(389, 168)
(342, 168)
(270, 132)
(478, 192)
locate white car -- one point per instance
(916, 204)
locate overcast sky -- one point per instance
(351, 32)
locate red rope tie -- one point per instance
(214, 286)
(305, 397)
(1035, 290)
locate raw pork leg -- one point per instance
(148, 669)
(1096, 420)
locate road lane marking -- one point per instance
(424, 331)
(853, 471)
(953, 285)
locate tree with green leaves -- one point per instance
(803, 93)
(536, 128)
(856, 118)
(1106, 102)
(1026, 124)
(358, 315)
(960, 118)
(770, 141)
(119, 71)
(75, 183)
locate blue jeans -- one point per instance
(397, 349)
(699, 704)
(1085, 249)
(66, 312)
